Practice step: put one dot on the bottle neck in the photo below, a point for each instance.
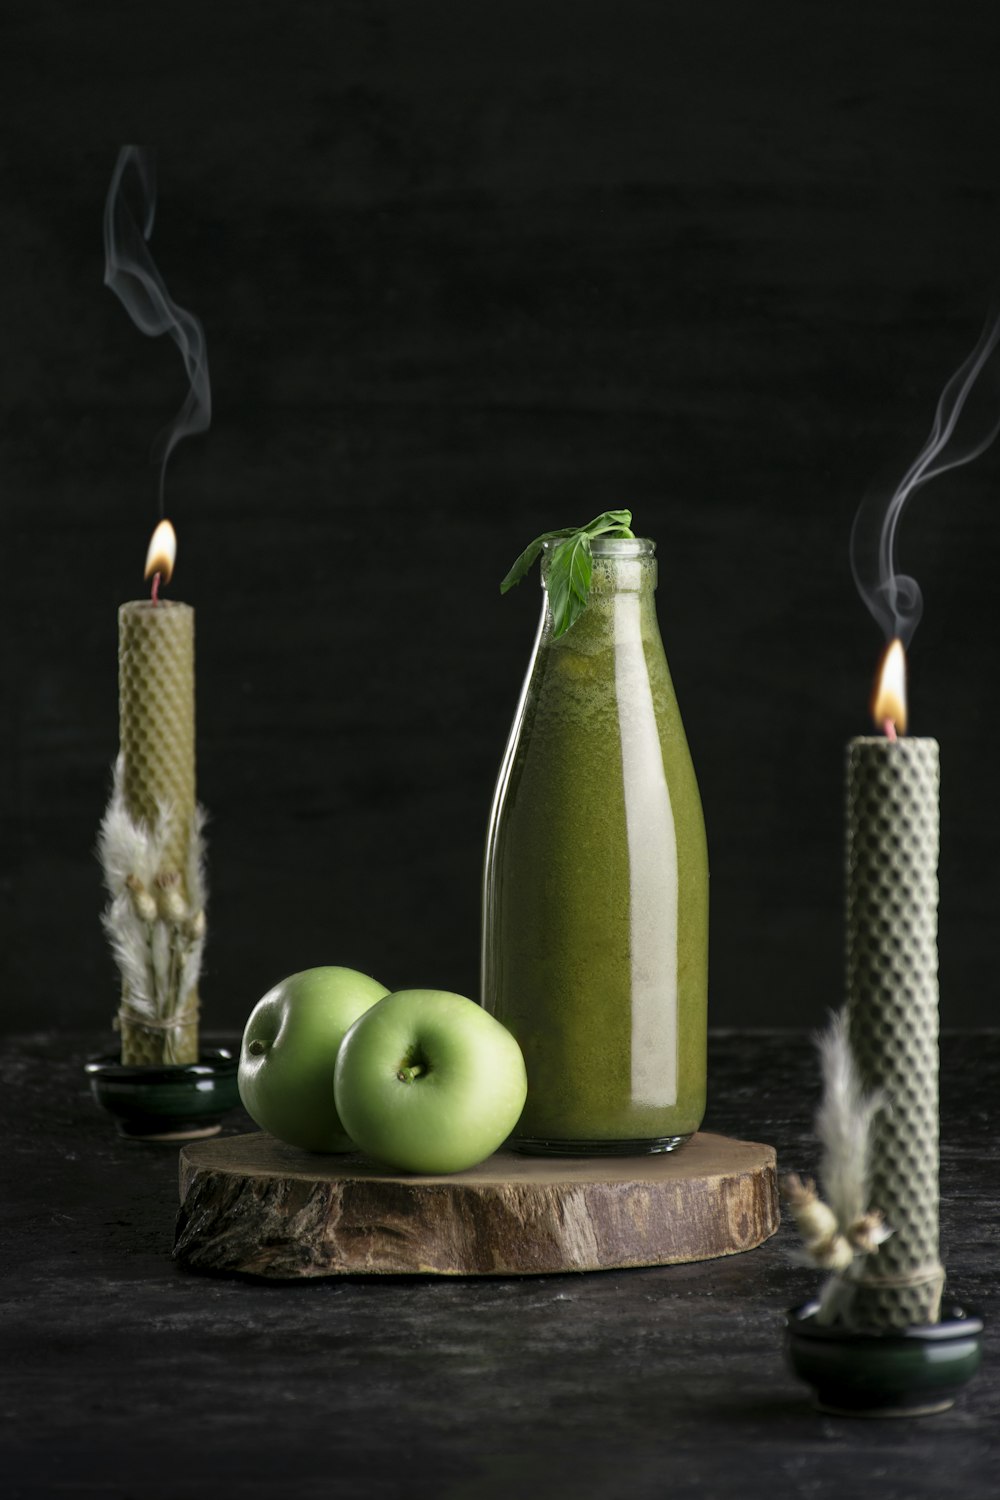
(621, 600)
(621, 565)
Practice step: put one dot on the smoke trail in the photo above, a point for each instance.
(894, 598)
(130, 272)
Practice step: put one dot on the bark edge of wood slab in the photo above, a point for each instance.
(254, 1206)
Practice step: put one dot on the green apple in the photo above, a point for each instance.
(427, 1081)
(289, 1049)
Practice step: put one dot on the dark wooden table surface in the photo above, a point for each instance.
(124, 1376)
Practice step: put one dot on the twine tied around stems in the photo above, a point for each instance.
(158, 1041)
(930, 1274)
(128, 1015)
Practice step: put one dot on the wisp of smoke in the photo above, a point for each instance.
(130, 272)
(894, 598)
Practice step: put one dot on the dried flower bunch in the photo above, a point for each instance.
(839, 1230)
(155, 921)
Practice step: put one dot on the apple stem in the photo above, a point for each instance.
(257, 1047)
(407, 1075)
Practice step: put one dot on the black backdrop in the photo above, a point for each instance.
(468, 271)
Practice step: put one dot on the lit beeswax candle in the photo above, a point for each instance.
(156, 707)
(892, 1000)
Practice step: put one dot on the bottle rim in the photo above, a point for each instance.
(613, 546)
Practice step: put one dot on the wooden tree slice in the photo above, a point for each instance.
(254, 1205)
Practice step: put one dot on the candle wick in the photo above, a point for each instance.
(889, 728)
(155, 594)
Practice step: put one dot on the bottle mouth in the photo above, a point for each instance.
(613, 546)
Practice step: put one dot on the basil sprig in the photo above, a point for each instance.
(571, 566)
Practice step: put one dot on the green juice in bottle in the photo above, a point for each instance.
(595, 907)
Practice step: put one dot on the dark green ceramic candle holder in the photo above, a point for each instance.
(910, 1372)
(176, 1102)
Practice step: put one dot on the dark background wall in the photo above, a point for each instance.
(468, 271)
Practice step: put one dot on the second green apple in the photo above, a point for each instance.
(426, 1081)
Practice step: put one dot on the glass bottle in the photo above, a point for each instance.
(595, 896)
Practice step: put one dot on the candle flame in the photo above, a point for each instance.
(162, 552)
(889, 698)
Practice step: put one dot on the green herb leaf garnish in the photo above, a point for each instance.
(572, 566)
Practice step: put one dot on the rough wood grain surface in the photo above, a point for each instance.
(254, 1205)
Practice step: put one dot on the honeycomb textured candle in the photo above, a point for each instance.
(156, 706)
(892, 985)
